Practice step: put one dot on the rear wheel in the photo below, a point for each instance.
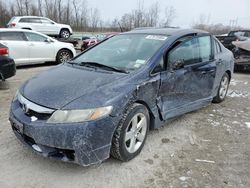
(63, 56)
(131, 133)
(64, 33)
(223, 88)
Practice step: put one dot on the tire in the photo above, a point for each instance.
(223, 88)
(65, 34)
(128, 139)
(63, 56)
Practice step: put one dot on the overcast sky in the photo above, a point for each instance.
(187, 11)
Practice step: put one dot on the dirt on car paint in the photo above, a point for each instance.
(205, 148)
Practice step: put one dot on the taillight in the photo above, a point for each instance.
(4, 51)
(12, 25)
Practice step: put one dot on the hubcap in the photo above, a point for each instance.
(135, 133)
(65, 34)
(64, 56)
(223, 87)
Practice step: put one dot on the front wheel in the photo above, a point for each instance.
(63, 56)
(131, 133)
(64, 34)
(223, 88)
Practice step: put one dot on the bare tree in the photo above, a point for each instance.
(26, 5)
(40, 7)
(153, 15)
(170, 15)
(76, 11)
(94, 18)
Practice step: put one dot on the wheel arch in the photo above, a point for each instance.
(229, 74)
(27, 28)
(152, 115)
(65, 49)
(64, 28)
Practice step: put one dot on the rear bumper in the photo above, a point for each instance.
(7, 68)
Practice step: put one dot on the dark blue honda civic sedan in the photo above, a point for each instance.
(104, 101)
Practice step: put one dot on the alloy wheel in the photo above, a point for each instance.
(223, 87)
(135, 132)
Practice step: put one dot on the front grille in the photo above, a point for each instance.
(32, 109)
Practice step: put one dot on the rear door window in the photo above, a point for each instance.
(205, 48)
(35, 37)
(46, 21)
(16, 36)
(25, 20)
(35, 20)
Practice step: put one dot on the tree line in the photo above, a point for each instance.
(81, 17)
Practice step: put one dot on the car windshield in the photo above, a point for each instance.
(127, 51)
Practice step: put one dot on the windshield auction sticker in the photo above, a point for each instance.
(156, 37)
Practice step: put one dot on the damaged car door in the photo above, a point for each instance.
(188, 80)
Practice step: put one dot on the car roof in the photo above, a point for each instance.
(29, 17)
(165, 31)
(22, 30)
(18, 30)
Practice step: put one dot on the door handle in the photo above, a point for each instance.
(219, 62)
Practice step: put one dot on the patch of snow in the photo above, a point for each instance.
(245, 83)
(183, 178)
(204, 161)
(237, 94)
(235, 122)
(215, 124)
(211, 115)
(248, 125)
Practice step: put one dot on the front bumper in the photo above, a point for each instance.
(83, 143)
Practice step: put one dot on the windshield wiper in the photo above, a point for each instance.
(99, 65)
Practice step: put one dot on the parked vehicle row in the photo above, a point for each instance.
(42, 25)
(239, 43)
(238, 35)
(26, 46)
(91, 41)
(7, 64)
(116, 91)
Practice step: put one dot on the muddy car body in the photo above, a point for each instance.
(120, 102)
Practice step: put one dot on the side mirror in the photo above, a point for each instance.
(48, 40)
(178, 64)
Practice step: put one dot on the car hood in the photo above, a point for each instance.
(59, 86)
(64, 25)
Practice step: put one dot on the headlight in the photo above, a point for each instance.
(75, 116)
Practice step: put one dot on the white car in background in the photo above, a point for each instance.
(40, 24)
(27, 46)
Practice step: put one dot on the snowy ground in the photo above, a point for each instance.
(206, 148)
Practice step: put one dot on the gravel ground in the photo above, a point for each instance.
(205, 148)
